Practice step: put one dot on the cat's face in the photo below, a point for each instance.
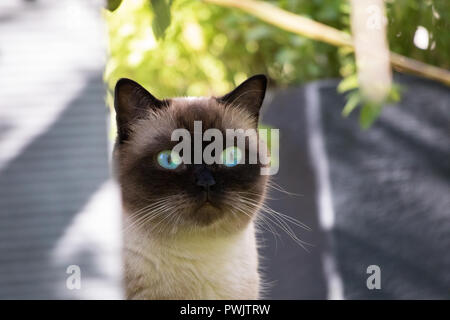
(167, 198)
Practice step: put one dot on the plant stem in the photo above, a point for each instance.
(318, 31)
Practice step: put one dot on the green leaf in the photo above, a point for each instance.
(394, 93)
(352, 102)
(112, 5)
(369, 113)
(348, 83)
(161, 20)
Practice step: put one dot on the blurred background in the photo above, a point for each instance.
(359, 91)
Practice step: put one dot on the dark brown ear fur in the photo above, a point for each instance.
(131, 102)
(248, 95)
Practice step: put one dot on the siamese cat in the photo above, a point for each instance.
(189, 229)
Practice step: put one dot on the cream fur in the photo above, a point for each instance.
(186, 267)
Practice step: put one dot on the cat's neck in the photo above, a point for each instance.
(190, 244)
(192, 267)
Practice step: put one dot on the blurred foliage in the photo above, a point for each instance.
(404, 17)
(187, 47)
(208, 49)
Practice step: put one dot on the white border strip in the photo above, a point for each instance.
(319, 163)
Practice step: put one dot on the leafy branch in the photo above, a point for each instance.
(274, 46)
(320, 32)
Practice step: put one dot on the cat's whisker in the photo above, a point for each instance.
(260, 218)
(158, 198)
(152, 216)
(276, 218)
(287, 218)
(271, 230)
(254, 194)
(154, 210)
(143, 214)
(273, 185)
(137, 212)
(290, 219)
(282, 224)
(167, 209)
(261, 223)
(279, 222)
(158, 201)
(162, 220)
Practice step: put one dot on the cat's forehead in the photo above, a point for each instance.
(181, 113)
(212, 114)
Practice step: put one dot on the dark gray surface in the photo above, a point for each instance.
(57, 203)
(292, 271)
(43, 189)
(391, 192)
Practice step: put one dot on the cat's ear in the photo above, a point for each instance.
(131, 102)
(248, 95)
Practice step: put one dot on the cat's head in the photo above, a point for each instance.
(163, 195)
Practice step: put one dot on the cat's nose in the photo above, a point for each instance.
(203, 177)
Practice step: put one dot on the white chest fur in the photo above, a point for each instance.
(201, 267)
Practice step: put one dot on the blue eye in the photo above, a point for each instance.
(169, 160)
(231, 156)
